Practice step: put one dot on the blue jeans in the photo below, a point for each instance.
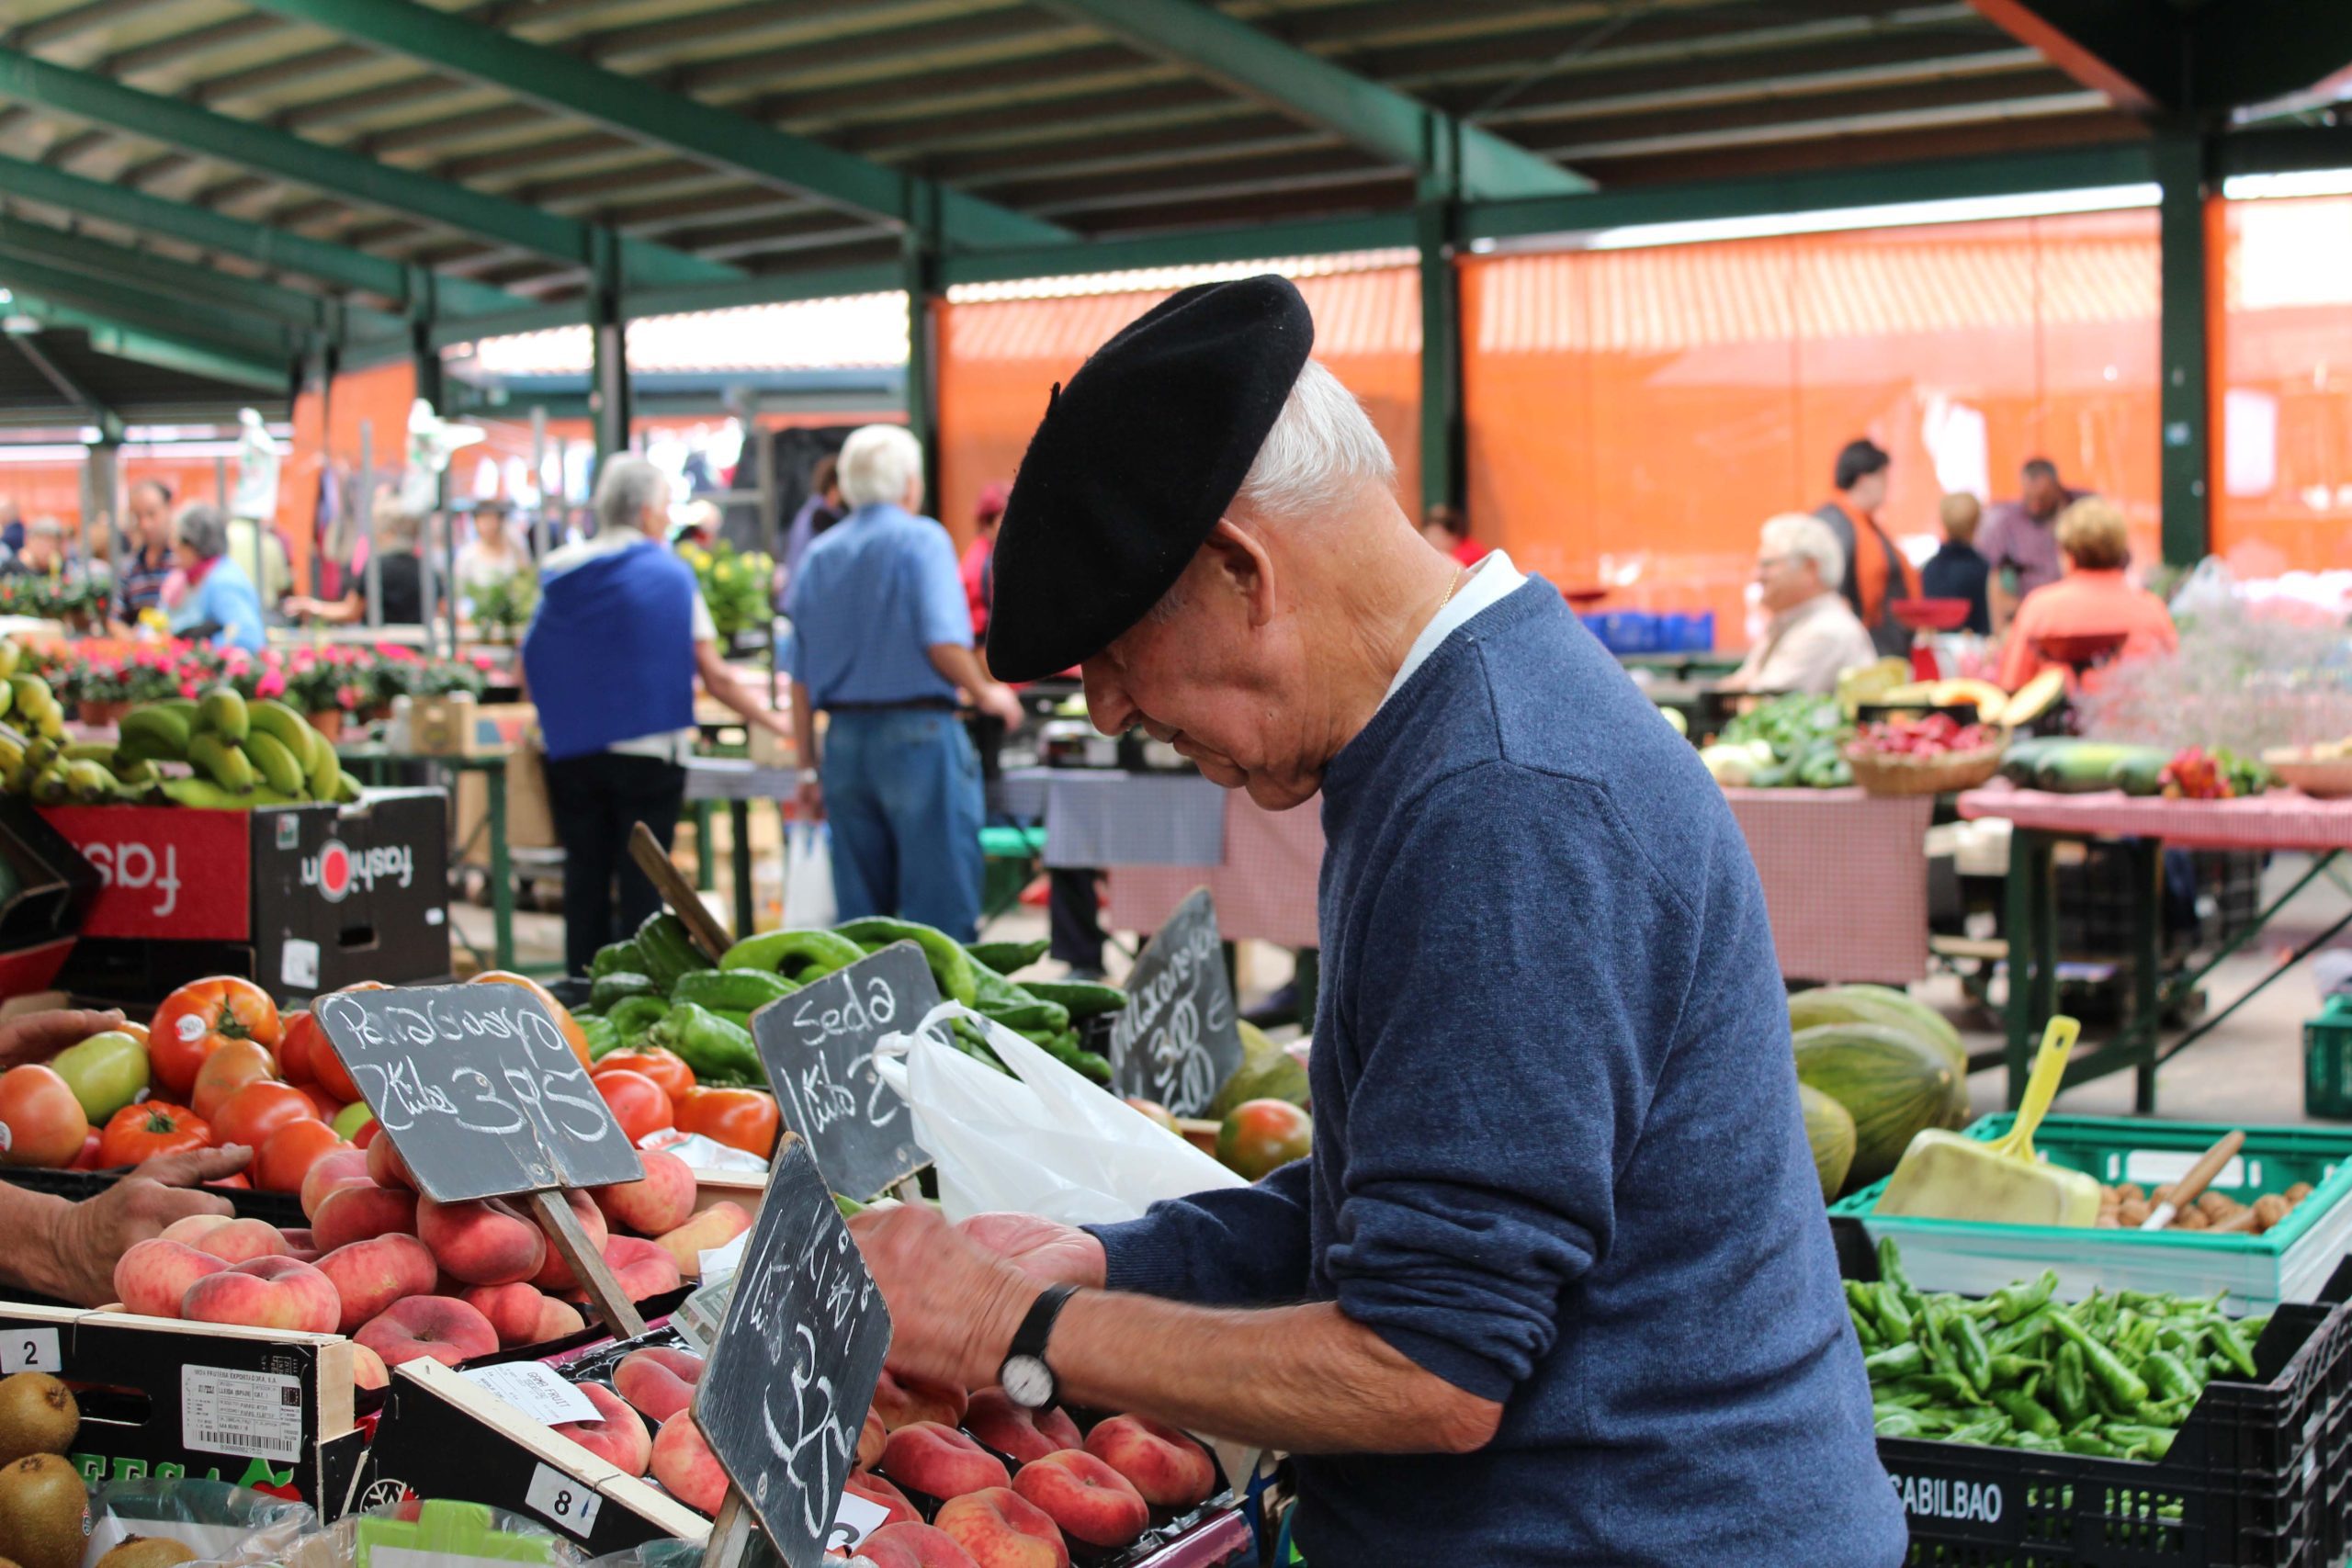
(902, 792)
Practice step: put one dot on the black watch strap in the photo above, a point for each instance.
(1030, 1338)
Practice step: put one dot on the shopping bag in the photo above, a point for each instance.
(808, 877)
(1044, 1141)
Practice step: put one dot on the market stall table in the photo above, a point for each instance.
(738, 781)
(2282, 819)
(1845, 876)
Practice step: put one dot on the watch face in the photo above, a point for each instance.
(1027, 1381)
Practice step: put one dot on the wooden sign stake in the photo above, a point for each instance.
(731, 1534)
(677, 892)
(613, 1307)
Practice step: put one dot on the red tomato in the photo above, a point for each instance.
(254, 1111)
(140, 1132)
(327, 1105)
(326, 1068)
(40, 1122)
(665, 1068)
(290, 1153)
(638, 1102)
(227, 1070)
(201, 1016)
(294, 1048)
(367, 1135)
(741, 1118)
(237, 1179)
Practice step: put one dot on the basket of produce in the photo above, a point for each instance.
(2323, 772)
(2140, 1427)
(1935, 754)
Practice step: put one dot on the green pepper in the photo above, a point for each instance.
(2011, 1303)
(631, 1018)
(950, 965)
(1900, 1362)
(2107, 1372)
(714, 1048)
(2027, 1412)
(1893, 1317)
(800, 956)
(1008, 957)
(1969, 1350)
(1987, 1429)
(602, 1036)
(1944, 1386)
(2139, 1441)
(2067, 1389)
(2087, 1443)
(2037, 1443)
(668, 948)
(2017, 1369)
(1933, 1333)
(1891, 1271)
(615, 955)
(1084, 998)
(617, 985)
(2022, 1333)
(2230, 1341)
(1900, 1399)
(1899, 1422)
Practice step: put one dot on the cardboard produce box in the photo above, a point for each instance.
(530, 820)
(300, 898)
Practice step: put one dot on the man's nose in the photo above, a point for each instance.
(1108, 707)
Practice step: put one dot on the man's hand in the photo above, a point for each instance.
(997, 698)
(1042, 1249)
(38, 1036)
(88, 1237)
(808, 801)
(954, 1307)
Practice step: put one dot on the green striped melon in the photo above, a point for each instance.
(1879, 1004)
(1893, 1083)
(1829, 1128)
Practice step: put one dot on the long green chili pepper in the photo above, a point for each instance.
(1899, 1422)
(2106, 1369)
(2066, 1386)
(2025, 1331)
(1991, 1430)
(2017, 1369)
(2167, 1377)
(1932, 1335)
(1893, 1317)
(2011, 1303)
(1891, 1270)
(2225, 1336)
(2037, 1443)
(2086, 1443)
(1949, 1387)
(1968, 1349)
(2027, 1412)
(1900, 1362)
(2152, 1442)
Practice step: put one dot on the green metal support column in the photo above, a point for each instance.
(922, 286)
(608, 387)
(1437, 218)
(423, 307)
(2185, 354)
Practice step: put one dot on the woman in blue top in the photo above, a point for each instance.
(221, 604)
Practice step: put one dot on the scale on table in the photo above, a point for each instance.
(2080, 652)
(1924, 618)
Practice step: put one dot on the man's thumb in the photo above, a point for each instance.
(191, 1166)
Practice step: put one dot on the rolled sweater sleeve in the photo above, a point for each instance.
(1522, 971)
(1230, 1246)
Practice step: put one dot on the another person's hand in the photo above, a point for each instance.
(997, 698)
(38, 1036)
(953, 1306)
(88, 1237)
(808, 800)
(1042, 1249)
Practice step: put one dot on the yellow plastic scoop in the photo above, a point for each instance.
(1947, 1177)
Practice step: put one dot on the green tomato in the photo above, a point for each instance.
(351, 1118)
(105, 1073)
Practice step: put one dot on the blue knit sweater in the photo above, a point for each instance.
(1559, 1159)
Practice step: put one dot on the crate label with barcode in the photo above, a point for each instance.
(564, 1501)
(30, 1350)
(298, 964)
(254, 1415)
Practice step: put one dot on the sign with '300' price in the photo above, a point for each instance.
(1178, 1039)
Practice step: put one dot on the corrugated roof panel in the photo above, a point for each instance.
(1355, 313)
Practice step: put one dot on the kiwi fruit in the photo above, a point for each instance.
(42, 1499)
(147, 1552)
(38, 1415)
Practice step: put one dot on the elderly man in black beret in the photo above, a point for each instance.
(1555, 1285)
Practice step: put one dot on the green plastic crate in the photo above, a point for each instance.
(2328, 1062)
(2290, 1262)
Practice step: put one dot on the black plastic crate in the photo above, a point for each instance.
(2207, 897)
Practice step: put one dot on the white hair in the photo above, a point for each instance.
(877, 463)
(1801, 534)
(626, 488)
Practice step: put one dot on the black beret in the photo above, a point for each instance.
(1133, 464)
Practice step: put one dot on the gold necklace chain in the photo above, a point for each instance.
(1460, 574)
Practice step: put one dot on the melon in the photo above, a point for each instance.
(1878, 1004)
(1893, 1083)
(1829, 1128)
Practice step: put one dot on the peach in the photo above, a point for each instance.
(904, 1401)
(368, 1369)
(385, 1166)
(1020, 1434)
(1002, 1530)
(871, 1437)
(241, 1241)
(939, 1460)
(1086, 1498)
(616, 1436)
(153, 1275)
(555, 1274)
(515, 1310)
(190, 1228)
(369, 1275)
(334, 1170)
(1170, 1469)
(483, 1242)
(662, 1199)
(558, 1320)
(707, 1232)
(658, 1381)
(265, 1292)
(440, 1327)
(358, 1212)
(641, 1266)
(882, 1495)
(685, 1467)
(913, 1546)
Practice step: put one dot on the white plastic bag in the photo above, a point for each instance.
(1043, 1142)
(808, 877)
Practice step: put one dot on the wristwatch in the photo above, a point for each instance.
(1026, 1378)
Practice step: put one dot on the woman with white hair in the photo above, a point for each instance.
(881, 642)
(1813, 632)
(221, 604)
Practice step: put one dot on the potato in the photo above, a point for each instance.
(2269, 1211)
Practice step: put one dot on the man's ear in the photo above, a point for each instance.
(1242, 562)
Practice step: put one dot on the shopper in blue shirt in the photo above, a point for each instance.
(221, 604)
(1555, 1285)
(881, 643)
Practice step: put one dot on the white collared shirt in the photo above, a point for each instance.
(1489, 582)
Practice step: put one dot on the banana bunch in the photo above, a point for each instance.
(239, 754)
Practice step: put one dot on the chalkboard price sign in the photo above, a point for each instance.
(818, 1047)
(478, 1089)
(794, 1365)
(1176, 1040)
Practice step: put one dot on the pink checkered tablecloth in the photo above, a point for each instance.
(2282, 819)
(1845, 878)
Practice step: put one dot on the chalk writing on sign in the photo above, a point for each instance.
(1176, 1041)
(816, 1044)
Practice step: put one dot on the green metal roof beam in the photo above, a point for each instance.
(109, 423)
(648, 114)
(1379, 119)
(137, 304)
(166, 350)
(2132, 53)
(278, 249)
(1258, 242)
(181, 280)
(346, 176)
